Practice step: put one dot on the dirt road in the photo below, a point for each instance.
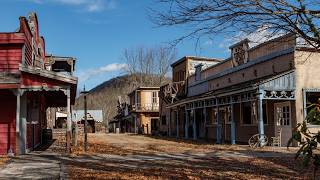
(114, 156)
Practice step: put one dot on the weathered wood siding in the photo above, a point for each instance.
(7, 121)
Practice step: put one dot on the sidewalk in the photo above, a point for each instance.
(35, 165)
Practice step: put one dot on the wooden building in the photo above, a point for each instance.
(28, 87)
(94, 120)
(258, 89)
(141, 114)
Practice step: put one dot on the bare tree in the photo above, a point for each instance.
(212, 17)
(149, 66)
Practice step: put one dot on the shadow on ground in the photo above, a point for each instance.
(109, 162)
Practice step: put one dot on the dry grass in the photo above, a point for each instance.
(3, 160)
(126, 157)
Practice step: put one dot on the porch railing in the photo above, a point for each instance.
(145, 107)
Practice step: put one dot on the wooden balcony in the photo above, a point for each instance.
(153, 107)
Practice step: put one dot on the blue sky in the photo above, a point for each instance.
(97, 31)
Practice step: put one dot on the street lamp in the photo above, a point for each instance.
(84, 92)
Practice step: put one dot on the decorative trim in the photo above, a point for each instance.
(279, 94)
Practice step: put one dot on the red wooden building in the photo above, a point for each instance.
(28, 86)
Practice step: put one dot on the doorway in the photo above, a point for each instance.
(283, 121)
(154, 125)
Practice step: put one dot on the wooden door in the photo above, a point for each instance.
(282, 112)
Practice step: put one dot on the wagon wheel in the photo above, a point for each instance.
(254, 141)
(258, 141)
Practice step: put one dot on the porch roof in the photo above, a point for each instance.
(282, 82)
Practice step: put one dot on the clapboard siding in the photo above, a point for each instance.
(7, 121)
(10, 58)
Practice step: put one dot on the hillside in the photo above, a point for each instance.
(105, 95)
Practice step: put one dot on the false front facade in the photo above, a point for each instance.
(28, 87)
(259, 90)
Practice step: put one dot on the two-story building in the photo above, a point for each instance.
(141, 114)
(144, 108)
(28, 87)
(260, 89)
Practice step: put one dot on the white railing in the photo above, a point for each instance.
(146, 107)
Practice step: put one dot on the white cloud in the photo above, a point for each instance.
(86, 5)
(90, 73)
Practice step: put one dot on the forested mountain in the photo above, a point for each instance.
(105, 95)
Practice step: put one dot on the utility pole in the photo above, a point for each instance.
(84, 92)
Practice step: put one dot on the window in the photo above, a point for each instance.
(138, 102)
(155, 97)
(311, 98)
(198, 72)
(283, 115)
(163, 120)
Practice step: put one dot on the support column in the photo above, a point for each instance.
(177, 121)
(169, 123)
(218, 127)
(260, 113)
(194, 124)
(21, 123)
(18, 133)
(135, 124)
(186, 126)
(68, 121)
(233, 125)
(304, 103)
(205, 121)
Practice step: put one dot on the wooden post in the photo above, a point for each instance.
(135, 124)
(194, 124)
(260, 113)
(17, 123)
(218, 127)
(169, 124)
(205, 121)
(23, 124)
(85, 124)
(68, 122)
(177, 121)
(147, 128)
(233, 125)
(186, 126)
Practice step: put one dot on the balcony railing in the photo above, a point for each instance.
(145, 107)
